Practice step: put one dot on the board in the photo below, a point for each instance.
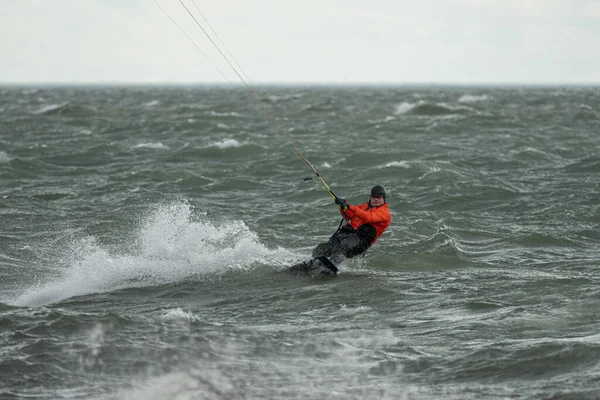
(316, 267)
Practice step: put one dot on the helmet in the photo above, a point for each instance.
(378, 190)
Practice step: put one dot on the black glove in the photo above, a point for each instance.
(342, 203)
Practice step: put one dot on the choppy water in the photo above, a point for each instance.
(145, 233)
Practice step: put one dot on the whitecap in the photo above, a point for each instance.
(51, 107)
(157, 145)
(386, 119)
(401, 164)
(152, 103)
(274, 98)
(432, 170)
(203, 382)
(472, 98)
(227, 144)
(223, 114)
(177, 314)
(404, 107)
(4, 158)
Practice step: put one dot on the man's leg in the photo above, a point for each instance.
(323, 249)
(347, 246)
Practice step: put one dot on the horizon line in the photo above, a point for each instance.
(291, 83)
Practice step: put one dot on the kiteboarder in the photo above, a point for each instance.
(364, 224)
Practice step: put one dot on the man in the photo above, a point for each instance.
(365, 223)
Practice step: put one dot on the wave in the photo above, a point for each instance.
(323, 106)
(440, 109)
(388, 118)
(275, 99)
(178, 314)
(404, 107)
(52, 109)
(67, 109)
(223, 114)
(424, 108)
(171, 246)
(400, 164)
(585, 114)
(526, 358)
(4, 157)
(472, 98)
(226, 144)
(152, 103)
(157, 145)
(589, 164)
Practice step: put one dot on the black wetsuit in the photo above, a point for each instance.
(346, 242)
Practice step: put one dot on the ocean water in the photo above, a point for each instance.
(145, 235)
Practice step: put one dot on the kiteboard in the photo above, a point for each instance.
(315, 267)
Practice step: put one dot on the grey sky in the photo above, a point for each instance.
(303, 41)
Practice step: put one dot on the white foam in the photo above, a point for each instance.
(50, 107)
(177, 314)
(451, 107)
(472, 98)
(4, 158)
(206, 382)
(432, 170)
(404, 107)
(171, 246)
(90, 354)
(223, 114)
(227, 144)
(363, 353)
(151, 104)
(274, 98)
(386, 119)
(401, 164)
(156, 145)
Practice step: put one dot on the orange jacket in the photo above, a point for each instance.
(378, 217)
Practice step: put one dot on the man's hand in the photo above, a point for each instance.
(342, 203)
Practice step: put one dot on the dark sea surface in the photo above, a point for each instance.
(145, 235)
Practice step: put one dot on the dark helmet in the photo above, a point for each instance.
(378, 190)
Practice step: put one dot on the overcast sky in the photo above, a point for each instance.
(302, 41)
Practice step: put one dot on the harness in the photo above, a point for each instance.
(350, 229)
